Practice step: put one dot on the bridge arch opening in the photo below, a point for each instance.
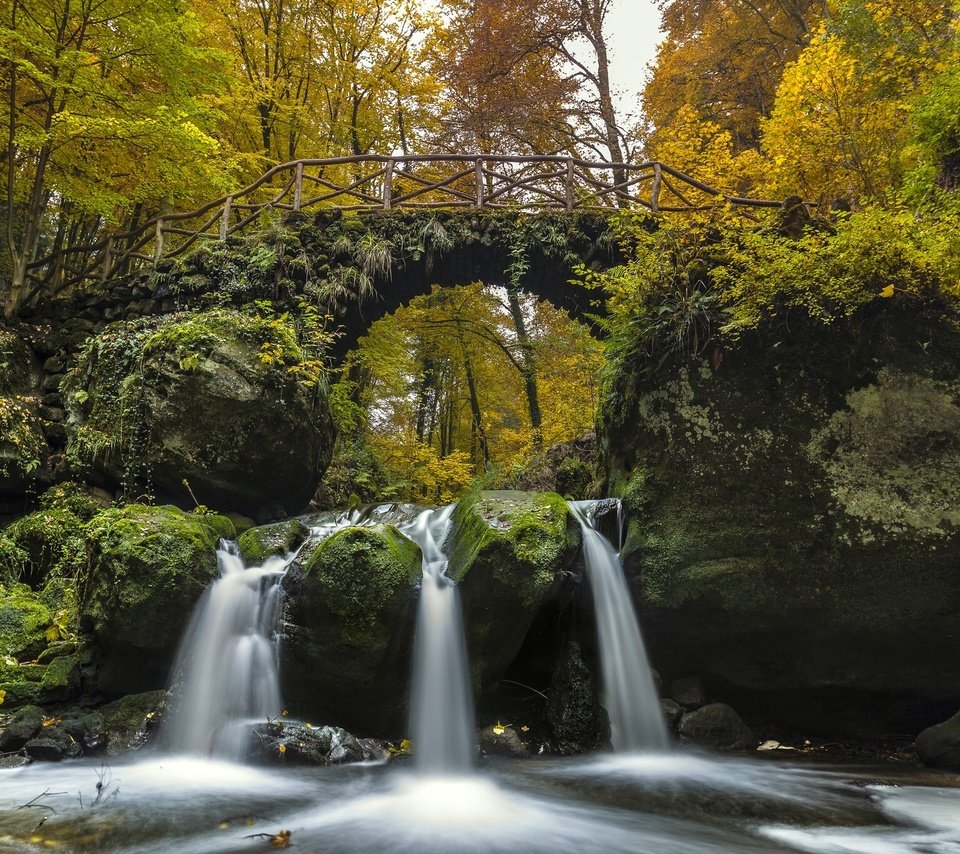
(465, 381)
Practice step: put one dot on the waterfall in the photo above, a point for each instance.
(441, 718)
(227, 662)
(629, 695)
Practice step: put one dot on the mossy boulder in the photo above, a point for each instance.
(24, 621)
(794, 509)
(148, 567)
(349, 625)
(41, 545)
(19, 372)
(223, 406)
(130, 721)
(511, 555)
(276, 540)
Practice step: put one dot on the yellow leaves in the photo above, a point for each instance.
(500, 729)
(888, 291)
(281, 839)
(2, 695)
(282, 749)
(48, 722)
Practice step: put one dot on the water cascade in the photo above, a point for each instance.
(629, 695)
(442, 708)
(228, 660)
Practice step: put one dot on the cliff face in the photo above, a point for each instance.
(794, 531)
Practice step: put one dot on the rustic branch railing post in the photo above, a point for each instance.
(298, 187)
(655, 192)
(478, 172)
(388, 185)
(569, 184)
(107, 259)
(158, 240)
(225, 219)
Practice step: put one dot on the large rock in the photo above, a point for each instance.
(349, 626)
(148, 568)
(577, 721)
(276, 540)
(283, 742)
(794, 528)
(223, 407)
(510, 554)
(939, 745)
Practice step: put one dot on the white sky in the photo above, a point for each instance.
(633, 30)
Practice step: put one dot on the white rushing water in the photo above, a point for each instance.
(227, 662)
(441, 718)
(629, 695)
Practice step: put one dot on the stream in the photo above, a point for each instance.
(666, 803)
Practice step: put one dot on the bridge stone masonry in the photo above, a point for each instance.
(388, 226)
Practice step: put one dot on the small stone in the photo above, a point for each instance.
(716, 726)
(21, 727)
(55, 365)
(502, 741)
(51, 382)
(44, 748)
(53, 399)
(51, 413)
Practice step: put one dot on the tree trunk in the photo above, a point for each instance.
(528, 368)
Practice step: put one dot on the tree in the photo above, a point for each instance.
(105, 113)
(723, 59)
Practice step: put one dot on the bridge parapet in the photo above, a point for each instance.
(373, 182)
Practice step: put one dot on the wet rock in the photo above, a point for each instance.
(130, 721)
(24, 620)
(577, 721)
(224, 400)
(13, 761)
(511, 555)
(716, 726)
(46, 749)
(672, 712)
(20, 727)
(688, 692)
(502, 741)
(348, 629)
(148, 568)
(277, 540)
(61, 680)
(794, 518)
(939, 746)
(299, 743)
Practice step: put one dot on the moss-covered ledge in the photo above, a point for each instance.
(511, 554)
(348, 628)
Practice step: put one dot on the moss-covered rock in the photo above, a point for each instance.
(510, 554)
(19, 371)
(224, 407)
(349, 624)
(794, 528)
(41, 545)
(24, 621)
(130, 721)
(266, 541)
(148, 567)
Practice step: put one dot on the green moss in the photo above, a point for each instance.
(22, 444)
(148, 567)
(522, 538)
(61, 679)
(42, 545)
(74, 497)
(359, 572)
(24, 620)
(278, 540)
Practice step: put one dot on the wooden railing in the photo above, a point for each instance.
(376, 182)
